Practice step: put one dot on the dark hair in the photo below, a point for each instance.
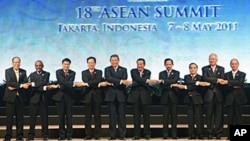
(16, 57)
(91, 57)
(66, 60)
(141, 59)
(114, 55)
(193, 64)
(40, 61)
(168, 59)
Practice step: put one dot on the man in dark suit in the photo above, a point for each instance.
(193, 85)
(214, 74)
(92, 98)
(141, 98)
(116, 97)
(169, 98)
(235, 94)
(64, 99)
(16, 83)
(39, 100)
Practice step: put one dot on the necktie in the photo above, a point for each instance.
(192, 76)
(168, 73)
(65, 74)
(91, 73)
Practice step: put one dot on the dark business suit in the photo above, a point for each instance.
(39, 102)
(214, 99)
(194, 100)
(64, 101)
(141, 100)
(235, 96)
(116, 99)
(14, 101)
(92, 99)
(169, 100)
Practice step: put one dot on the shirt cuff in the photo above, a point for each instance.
(120, 82)
(44, 88)
(197, 83)
(21, 85)
(185, 87)
(33, 84)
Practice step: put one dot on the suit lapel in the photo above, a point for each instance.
(14, 74)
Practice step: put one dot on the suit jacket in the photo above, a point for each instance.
(167, 91)
(92, 91)
(40, 81)
(214, 88)
(140, 87)
(193, 89)
(11, 80)
(66, 84)
(117, 91)
(237, 94)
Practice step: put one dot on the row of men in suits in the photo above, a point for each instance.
(213, 78)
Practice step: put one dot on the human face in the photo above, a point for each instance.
(38, 66)
(234, 65)
(168, 65)
(91, 64)
(114, 61)
(16, 63)
(193, 69)
(140, 65)
(65, 65)
(213, 60)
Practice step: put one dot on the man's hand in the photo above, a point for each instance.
(26, 85)
(152, 81)
(204, 84)
(81, 84)
(104, 84)
(222, 81)
(11, 88)
(178, 86)
(49, 87)
(126, 82)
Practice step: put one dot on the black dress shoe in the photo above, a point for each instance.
(165, 137)
(175, 137)
(147, 137)
(6, 139)
(210, 137)
(88, 138)
(19, 139)
(97, 138)
(201, 137)
(112, 138)
(30, 138)
(218, 137)
(135, 138)
(192, 137)
(45, 138)
(61, 138)
(69, 138)
(122, 138)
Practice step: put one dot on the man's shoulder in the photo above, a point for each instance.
(205, 67)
